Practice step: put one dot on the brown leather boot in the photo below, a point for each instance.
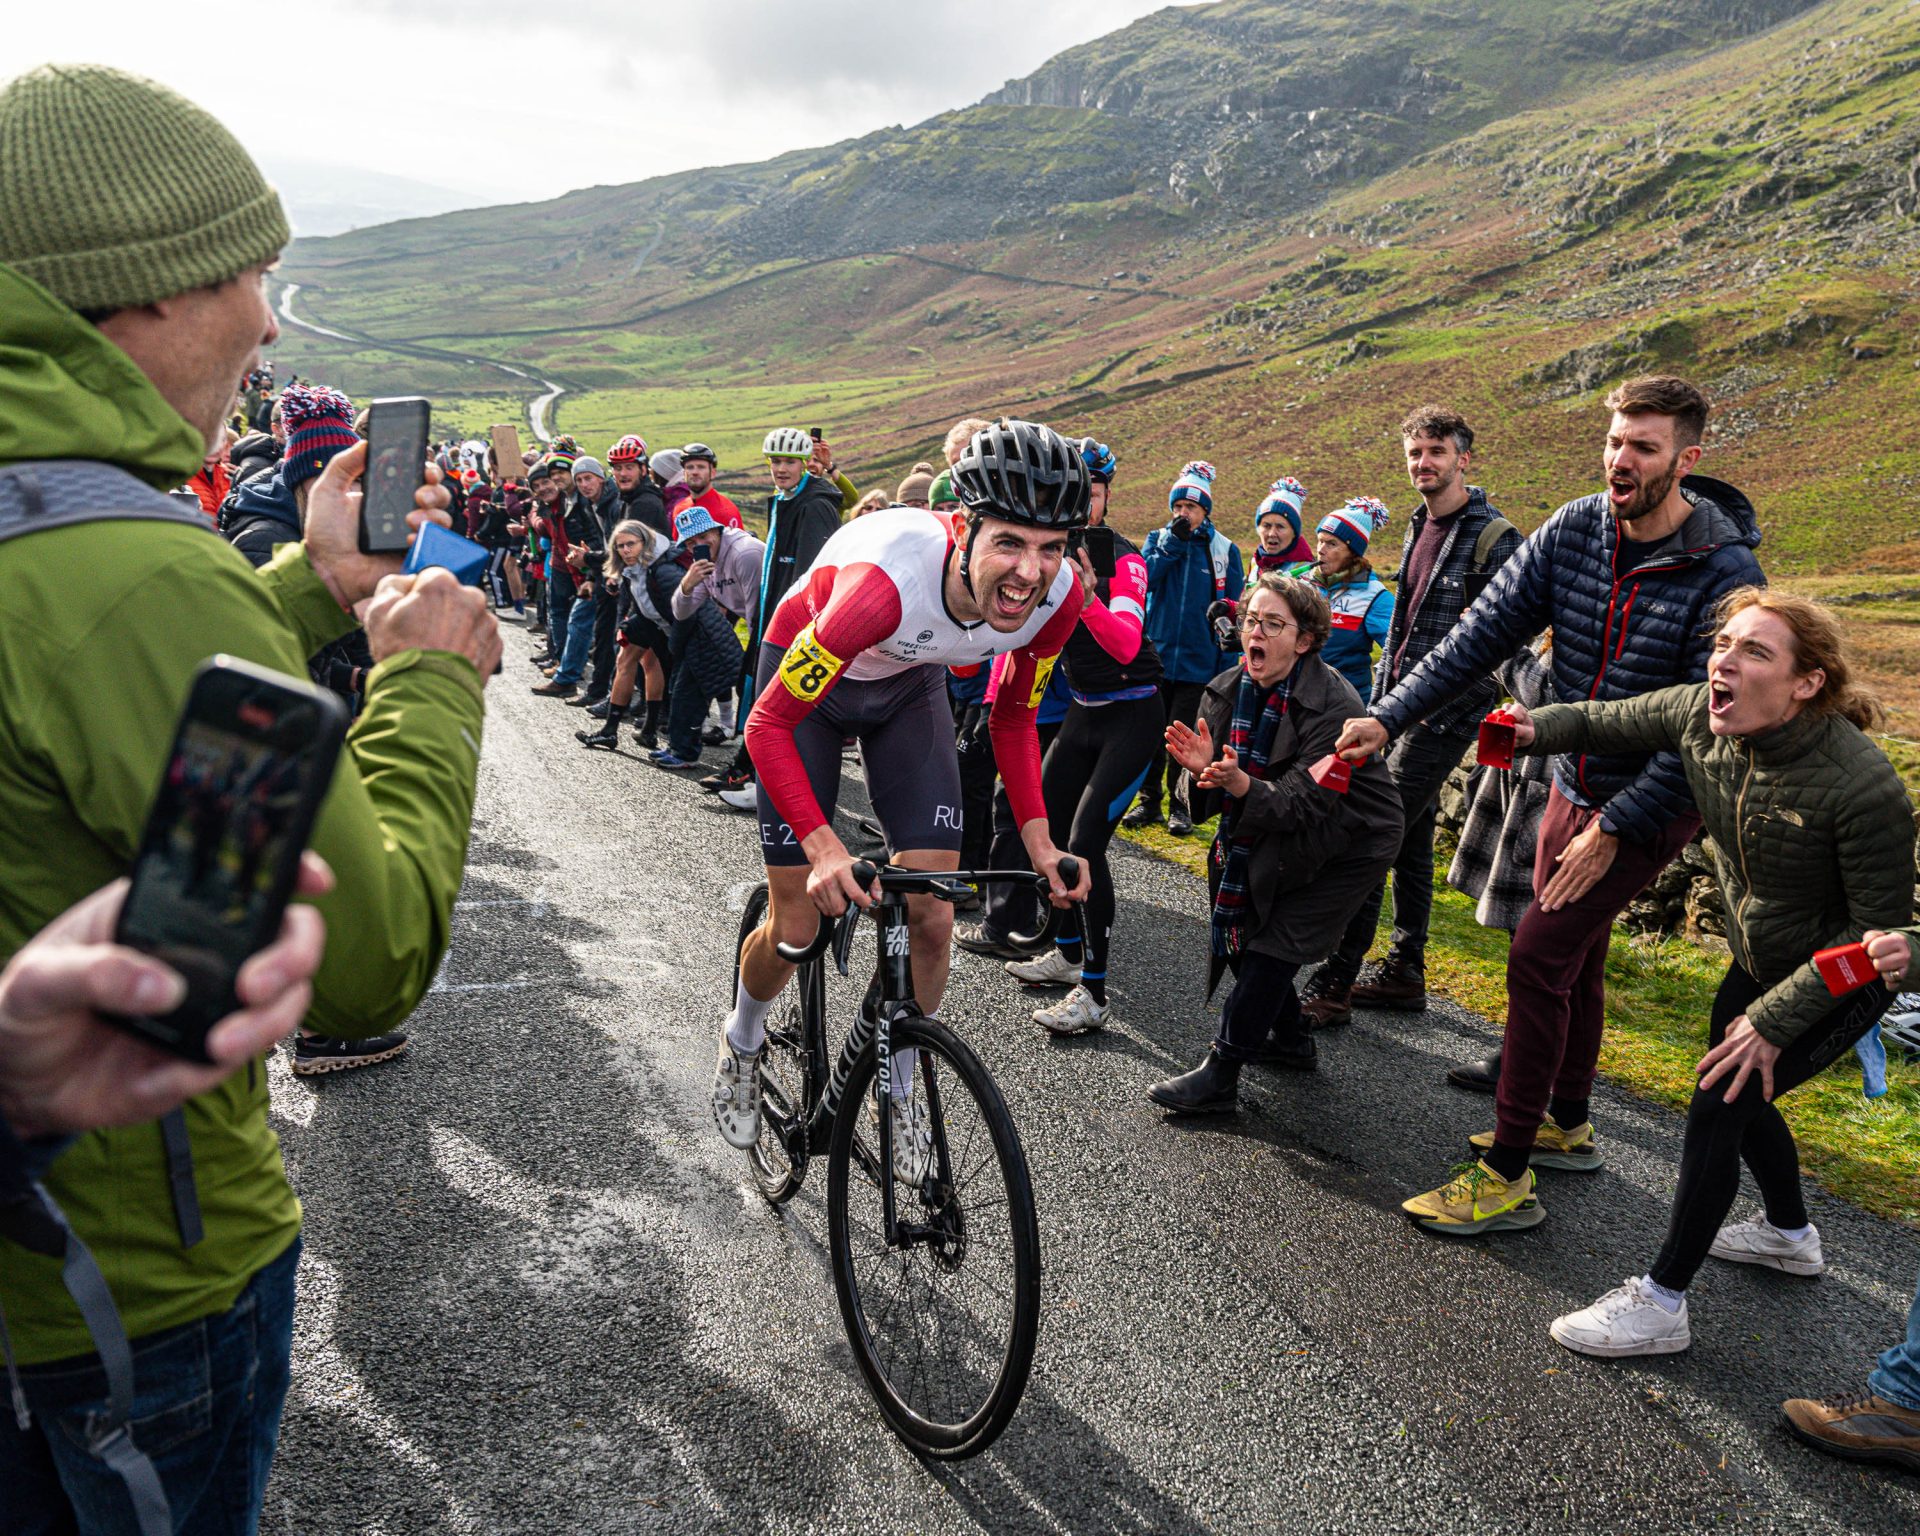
(1394, 986)
(1858, 1426)
(1326, 1003)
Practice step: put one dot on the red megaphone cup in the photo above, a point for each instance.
(1845, 968)
(1333, 773)
(1497, 738)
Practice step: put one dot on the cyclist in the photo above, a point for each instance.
(859, 648)
(1112, 732)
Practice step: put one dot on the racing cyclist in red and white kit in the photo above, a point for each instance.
(859, 648)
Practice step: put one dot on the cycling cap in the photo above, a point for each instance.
(1285, 497)
(699, 451)
(1023, 472)
(1100, 460)
(787, 443)
(629, 450)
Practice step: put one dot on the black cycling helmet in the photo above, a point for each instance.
(1100, 460)
(699, 451)
(1024, 473)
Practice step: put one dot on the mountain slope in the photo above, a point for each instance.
(1557, 194)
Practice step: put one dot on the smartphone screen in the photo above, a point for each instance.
(243, 781)
(396, 460)
(1101, 551)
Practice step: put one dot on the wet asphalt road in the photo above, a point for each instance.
(540, 1294)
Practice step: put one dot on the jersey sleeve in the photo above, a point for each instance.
(1117, 624)
(1016, 742)
(861, 607)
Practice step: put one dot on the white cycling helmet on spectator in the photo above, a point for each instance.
(787, 443)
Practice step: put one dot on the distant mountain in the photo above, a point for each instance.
(332, 200)
(1253, 231)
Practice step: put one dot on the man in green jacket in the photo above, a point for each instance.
(135, 237)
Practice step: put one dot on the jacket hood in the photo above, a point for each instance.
(265, 497)
(66, 392)
(1722, 515)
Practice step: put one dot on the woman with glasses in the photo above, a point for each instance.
(1299, 846)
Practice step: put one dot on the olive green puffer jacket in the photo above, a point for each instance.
(1812, 832)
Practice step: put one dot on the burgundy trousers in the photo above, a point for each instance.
(1556, 971)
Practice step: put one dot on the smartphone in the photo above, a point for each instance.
(249, 766)
(396, 461)
(1101, 551)
(815, 433)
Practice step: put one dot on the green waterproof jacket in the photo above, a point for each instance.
(1812, 832)
(104, 624)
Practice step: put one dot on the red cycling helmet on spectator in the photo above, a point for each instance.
(628, 450)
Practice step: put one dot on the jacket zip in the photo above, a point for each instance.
(1608, 653)
(1739, 928)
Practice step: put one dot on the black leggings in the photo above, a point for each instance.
(1091, 774)
(1719, 1135)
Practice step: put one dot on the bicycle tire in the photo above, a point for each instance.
(864, 1268)
(788, 1090)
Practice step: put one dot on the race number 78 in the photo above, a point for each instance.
(808, 667)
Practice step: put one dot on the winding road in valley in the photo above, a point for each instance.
(539, 408)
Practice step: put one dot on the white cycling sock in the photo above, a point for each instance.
(1665, 1297)
(904, 1061)
(726, 716)
(1794, 1234)
(747, 1028)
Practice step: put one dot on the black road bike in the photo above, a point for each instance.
(936, 1254)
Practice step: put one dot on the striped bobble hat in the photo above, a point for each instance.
(1286, 496)
(1194, 484)
(1355, 523)
(319, 425)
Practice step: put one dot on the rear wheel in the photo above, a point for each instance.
(787, 1088)
(943, 1323)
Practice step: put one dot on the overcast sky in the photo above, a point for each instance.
(523, 99)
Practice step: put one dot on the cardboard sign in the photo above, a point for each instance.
(506, 452)
(1846, 968)
(1496, 744)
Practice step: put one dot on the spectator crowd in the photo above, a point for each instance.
(1303, 703)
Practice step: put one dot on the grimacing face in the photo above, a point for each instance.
(1013, 567)
(626, 475)
(1754, 681)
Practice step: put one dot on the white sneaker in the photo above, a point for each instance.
(1626, 1321)
(912, 1139)
(1074, 1014)
(1759, 1241)
(736, 1097)
(1052, 969)
(745, 798)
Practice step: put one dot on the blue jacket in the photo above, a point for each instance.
(1616, 634)
(258, 514)
(1362, 617)
(1184, 577)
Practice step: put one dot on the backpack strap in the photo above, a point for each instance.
(1496, 529)
(63, 493)
(186, 1199)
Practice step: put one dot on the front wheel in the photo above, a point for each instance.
(944, 1322)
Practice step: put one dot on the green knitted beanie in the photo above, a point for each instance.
(115, 192)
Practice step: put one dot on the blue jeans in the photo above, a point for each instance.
(1898, 1377)
(206, 1408)
(559, 605)
(686, 713)
(579, 646)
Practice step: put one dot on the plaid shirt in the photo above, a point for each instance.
(1452, 587)
(1493, 861)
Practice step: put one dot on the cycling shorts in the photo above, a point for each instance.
(904, 727)
(642, 631)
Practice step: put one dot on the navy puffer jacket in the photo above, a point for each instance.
(1616, 634)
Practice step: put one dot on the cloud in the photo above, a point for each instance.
(523, 102)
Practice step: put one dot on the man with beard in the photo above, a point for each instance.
(1627, 579)
(698, 463)
(639, 495)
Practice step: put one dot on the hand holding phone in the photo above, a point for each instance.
(333, 526)
(396, 469)
(1101, 550)
(244, 778)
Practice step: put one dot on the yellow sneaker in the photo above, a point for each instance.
(1475, 1200)
(1578, 1149)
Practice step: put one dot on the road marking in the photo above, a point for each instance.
(486, 986)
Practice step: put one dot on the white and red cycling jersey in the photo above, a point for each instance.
(872, 606)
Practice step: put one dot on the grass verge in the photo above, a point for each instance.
(1659, 993)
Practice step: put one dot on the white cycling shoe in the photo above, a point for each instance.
(1052, 969)
(745, 798)
(736, 1097)
(1075, 1014)
(912, 1139)
(1759, 1241)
